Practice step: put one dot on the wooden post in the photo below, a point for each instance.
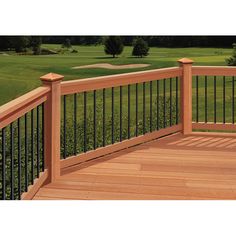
(52, 120)
(186, 94)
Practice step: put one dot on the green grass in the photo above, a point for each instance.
(20, 74)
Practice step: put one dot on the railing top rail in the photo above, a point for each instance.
(76, 86)
(16, 108)
(214, 70)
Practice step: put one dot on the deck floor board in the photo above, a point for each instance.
(196, 166)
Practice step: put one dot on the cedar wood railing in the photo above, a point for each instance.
(34, 128)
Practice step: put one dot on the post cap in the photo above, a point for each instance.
(185, 61)
(51, 77)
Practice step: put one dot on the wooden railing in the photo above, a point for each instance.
(215, 109)
(22, 148)
(77, 121)
(119, 127)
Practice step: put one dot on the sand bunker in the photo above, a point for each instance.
(112, 67)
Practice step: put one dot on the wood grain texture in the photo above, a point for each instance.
(186, 94)
(109, 81)
(214, 70)
(214, 126)
(20, 106)
(52, 121)
(33, 189)
(194, 166)
(71, 161)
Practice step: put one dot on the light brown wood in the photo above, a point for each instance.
(33, 189)
(20, 106)
(186, 94)
(118, 146)
(219, 134)
(214, 70)
(194, 166)
(101, 82)
(214, 126)
(52, 121)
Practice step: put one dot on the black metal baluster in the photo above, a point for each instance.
(104, 118)
(112, 115)
(12, 161)
(3, 163)
(224, 99)
(196, 98)
(94, 121)
(32, 147)
(233, 99)
(19, 158)
(214, 99)
(170, 101)
(136, 109)
(129, 111)
(75, 124)
(43, 137)
(177, 100)
(26, 153)
(150, 106)
(144, 109)
(205, 99)
(120, 113)
(38, 147)
(85, 121)
(64, 126)
(158, 105)
(164, 98)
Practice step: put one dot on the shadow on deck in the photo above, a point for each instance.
(196, 166)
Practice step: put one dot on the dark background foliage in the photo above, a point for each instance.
(7, 42)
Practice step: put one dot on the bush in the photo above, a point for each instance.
(46, 51)
(27, 51)
(113, 46)
(74, 51)
(156, 118)
(140, 48)
(232, 60)
(20, 43)
(66, 44)
(36, 45)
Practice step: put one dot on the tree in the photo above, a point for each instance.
(5, 42)
(66, 44)
(232, 60)
(140, 48)
(36, 44)
(20, 43)
(113, 45)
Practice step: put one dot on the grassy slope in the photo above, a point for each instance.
(20, 74)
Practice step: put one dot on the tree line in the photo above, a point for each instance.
(113, 45)
(7, 42)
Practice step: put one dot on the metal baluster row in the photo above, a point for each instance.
(222, 87)
(21, 154)
(132, 112)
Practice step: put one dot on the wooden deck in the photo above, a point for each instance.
(196, 166)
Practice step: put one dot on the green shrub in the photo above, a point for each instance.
(140, 48)
(108, 127)
(113, 45)
(66, 44)
(74, 51)
(46, 51)
(231, 61)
